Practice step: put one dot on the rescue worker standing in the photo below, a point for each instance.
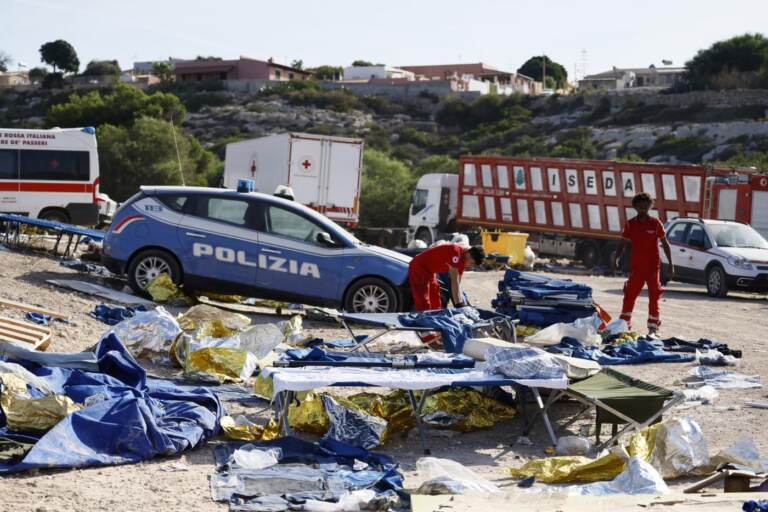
(423, 270)
(643, 233)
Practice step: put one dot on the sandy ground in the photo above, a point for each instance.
(739, 320)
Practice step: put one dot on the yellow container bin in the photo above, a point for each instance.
(506, 244)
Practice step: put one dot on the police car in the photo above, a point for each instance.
(251, 244)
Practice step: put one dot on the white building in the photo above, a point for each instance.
(376, 72)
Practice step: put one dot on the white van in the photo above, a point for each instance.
(52, 175)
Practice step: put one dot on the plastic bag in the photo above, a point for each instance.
(705, 394)
(681, 448)
(741, 453)
(583, 329)
(149, 334)
(439, 475)
(293, 332)
(616, 326)
(573, 445)
(712, 357)
(252, 457)
(529, 258)
(639, 477)
(352, 425)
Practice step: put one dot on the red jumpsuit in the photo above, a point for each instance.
(645, 268)
(422, 274)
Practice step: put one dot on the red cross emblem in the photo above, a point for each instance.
(306, 164)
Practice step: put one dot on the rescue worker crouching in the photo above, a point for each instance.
(424, 267)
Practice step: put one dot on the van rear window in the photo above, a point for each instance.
(54, 165)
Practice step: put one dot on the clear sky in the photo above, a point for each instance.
(624, 33)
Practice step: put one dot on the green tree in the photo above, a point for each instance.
(61, 55)
(163, 70)
(37, 75)
(362, 63)
(436, 164)
(102, 68)
(145, 154)
(533, 68)
(5, 61)
(121, 107)
(386, 190)
(297, 63)
(328, 72)
(741, 61)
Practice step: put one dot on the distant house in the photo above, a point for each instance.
(147, 67)
(14, 78)
(500, 82)
(243, 68)
(631, 78)
(376, 73)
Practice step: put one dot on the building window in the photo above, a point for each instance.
(290, 76)
(277, 74)
(223, 75)
(199, 76)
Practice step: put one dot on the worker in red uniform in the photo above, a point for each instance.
(643, 233)
(423, 270)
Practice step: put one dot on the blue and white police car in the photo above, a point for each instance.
(251, 244)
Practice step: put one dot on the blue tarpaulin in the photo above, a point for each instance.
(535, 286)
(113, 315)
(317, 356)
(129, 417)
(630, 352)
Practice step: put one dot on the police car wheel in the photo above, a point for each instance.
(371, 295)
(149, 264)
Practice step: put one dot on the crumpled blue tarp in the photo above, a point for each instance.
(454, 332)
(128, 417)
(38, 318)
(630, 352)
(338, 461)
(377, 359)
(113, 315)
(535, 286)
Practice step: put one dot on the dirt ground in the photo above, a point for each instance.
(739, 320)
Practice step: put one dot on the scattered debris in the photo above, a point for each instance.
(100, 291)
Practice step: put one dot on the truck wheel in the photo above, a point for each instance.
(716, 285)
(371, 295)
(55, 215)
(149, 264)
(589, 254)
(425, 236)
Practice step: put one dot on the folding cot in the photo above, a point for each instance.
(288, 381)
(618, 399)
(491, 324)
(74, 233)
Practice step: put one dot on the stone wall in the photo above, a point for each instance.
(713, 99)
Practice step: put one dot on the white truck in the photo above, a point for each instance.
(324, 172)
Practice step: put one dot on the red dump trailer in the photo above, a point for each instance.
(577, 208)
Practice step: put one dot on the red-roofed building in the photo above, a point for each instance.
(243, 68)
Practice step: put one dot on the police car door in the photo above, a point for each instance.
(220, 246)
(292, 261)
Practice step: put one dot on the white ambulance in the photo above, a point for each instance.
(52, 175)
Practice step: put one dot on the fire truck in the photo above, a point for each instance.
(577, 208)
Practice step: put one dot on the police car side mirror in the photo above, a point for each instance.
(325, 239)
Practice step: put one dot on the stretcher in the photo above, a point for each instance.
(618, 399)
(74, 234)
(287, 382)
(491, 324)
(301, 358)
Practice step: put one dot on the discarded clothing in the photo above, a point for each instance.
(299, 357)
(89, 268)
(113, 315)
(127, 417)
(631, 352)
(38, 318)
(523, 363)
(536, 286)
(703, 344)
(724, 379)
(455, 325)
(323, 471)
(351, 426)
(755, 506)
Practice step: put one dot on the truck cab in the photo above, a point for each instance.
(433, 207)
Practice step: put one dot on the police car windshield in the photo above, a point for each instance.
(737, 235)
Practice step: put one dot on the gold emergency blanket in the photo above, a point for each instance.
(463, 410)
(247, 431)
(220, 364)
(162, 289)
(196, 316)
(22, 412)
(572, 469)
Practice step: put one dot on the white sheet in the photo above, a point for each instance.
(306, 379)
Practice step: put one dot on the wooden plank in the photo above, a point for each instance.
(14, 331)
(33, 309)
(22, 327)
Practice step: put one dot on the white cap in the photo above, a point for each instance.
(284, 191)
